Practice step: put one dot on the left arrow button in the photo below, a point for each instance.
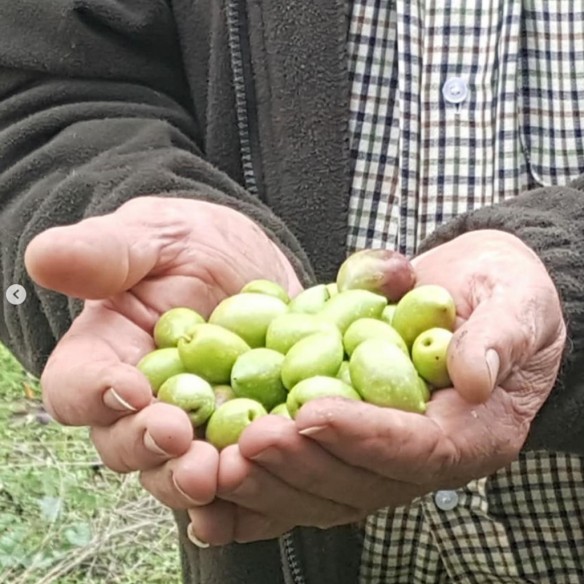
(15, 294)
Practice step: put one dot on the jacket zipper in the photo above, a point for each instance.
(287, 547)
(244, 94)
(250, 159)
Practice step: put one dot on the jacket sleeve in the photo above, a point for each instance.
(94, 111)
(551, 222)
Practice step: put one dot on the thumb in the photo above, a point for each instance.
(486, 348)
(97, 257)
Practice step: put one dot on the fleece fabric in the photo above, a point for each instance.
(102, 101)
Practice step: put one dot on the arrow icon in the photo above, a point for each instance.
(15, 294)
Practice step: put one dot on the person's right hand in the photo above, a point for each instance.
(130, 266)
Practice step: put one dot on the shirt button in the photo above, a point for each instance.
(446, 500)
(455, 90)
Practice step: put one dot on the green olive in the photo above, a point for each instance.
(248, 315)
(192, 394)
(370, 328)
(346, 307)
(287, 329)
(311, 300)
(344, 373)
(175, 324)
(256, 374)
(229, 420)
(211, 351)
(317, 354)
(159, 365)
(386, 377)
(281, 410)
(223, 393)
(266, 287)
(315, 388)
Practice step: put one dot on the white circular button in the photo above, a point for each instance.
(455, 90)
(15, 294)
(446, 500)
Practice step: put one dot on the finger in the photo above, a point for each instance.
(401, 446)
(303, 464)
(90, 378)
(250, 486)
(144, 440)
(187, 481)
(221, 523)
(102, 256)
(501, 335)
(251, 526)
(453, 443)
(213, 524)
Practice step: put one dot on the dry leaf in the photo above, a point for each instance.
(29, 392)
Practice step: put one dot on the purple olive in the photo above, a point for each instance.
(383, 271)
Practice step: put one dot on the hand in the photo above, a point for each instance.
(130, 266)
(340, 460)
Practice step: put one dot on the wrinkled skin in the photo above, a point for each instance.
(351, 458)
(339, 460)
(130, 267)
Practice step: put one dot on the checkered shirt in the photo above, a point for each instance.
(455, 105)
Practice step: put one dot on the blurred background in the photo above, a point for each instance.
(64, 518)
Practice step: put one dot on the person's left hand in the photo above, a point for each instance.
(341, 460)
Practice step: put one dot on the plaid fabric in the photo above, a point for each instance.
(419, 160)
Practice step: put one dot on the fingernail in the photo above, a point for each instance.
(194, 539)
(312, 430)
(493, 363)
(112, 400)
(187, 497)
(152, 446)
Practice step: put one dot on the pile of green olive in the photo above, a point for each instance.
(372, 335)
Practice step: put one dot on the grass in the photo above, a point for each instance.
(64, 518)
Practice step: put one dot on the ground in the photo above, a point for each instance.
(64, 518)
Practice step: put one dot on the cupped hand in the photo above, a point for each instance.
(341, 460)
(130, 266)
